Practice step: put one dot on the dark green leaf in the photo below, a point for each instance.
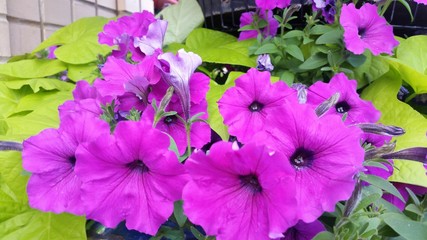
(356, 60)
(295, 51)
(324, 236)
(320, 29)
(330, 37)
(267, 48)
(405, 227)
(313, 62)
(293, 33)
(178, 212)
(383, 184)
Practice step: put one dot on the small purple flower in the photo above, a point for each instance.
(315, 148)
(246, 106)
(264, 63)
(51, 52)
(357, 110)
(365, 29)
(176, 71)
(304, 231)
(50, 157)
(130, 176)
(328, 9)
(240, 193)
(272, 4)
(248, 18)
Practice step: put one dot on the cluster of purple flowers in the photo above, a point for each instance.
(363, 28)
(109, 159)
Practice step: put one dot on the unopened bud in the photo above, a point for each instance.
(326, 105)
(381, 129)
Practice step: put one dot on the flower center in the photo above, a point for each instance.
(251, 182)
(361, 32)
(342, 107)
(72, 160)
(256, 106)
(137, 165)
(169, 119)
(302, 158)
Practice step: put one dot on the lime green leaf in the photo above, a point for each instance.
(43, 113)
(405, 227)
(78, 41)
(394, 112)
(218, 47)
(9, 98)
(32, 68)
(182, 19)
(174, 47)
(88, 72)
(19, 221)
(37, 84)
(215, 92)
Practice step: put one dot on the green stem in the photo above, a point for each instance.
(188, 133)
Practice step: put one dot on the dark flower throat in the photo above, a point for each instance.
(251, 182)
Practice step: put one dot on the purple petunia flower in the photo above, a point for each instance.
(272, 4)
(246, 106)
(328, 9)
(365, 29)
(421, 2)
(130, 83)
(324, 153)
(51, 52)
(247, 18)
(240, 194)
(50, 156)
(177, 71)
(125, 30)
(304, 231)
(130, 176)
(358, 110)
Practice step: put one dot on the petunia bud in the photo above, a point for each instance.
(418, 154)
(301, 92)
(10, 146)
(264, 63)
(381, 129)
(326, 105)
(379, 152)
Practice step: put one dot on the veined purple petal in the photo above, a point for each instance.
(153, 40)
(177, 70)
